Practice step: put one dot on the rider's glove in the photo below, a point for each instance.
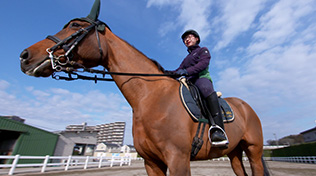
(182, 72)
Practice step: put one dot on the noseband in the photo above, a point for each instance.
(69, 43)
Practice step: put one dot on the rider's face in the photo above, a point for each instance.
(190, 40)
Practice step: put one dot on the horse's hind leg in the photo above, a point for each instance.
(254, 153)
(235, 157)
(155, 168)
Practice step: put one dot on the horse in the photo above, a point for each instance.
(162, 129)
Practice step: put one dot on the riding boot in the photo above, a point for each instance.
(217, 136)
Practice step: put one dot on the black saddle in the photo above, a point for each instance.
(196, 106)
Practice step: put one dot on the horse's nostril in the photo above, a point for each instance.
(24, 55)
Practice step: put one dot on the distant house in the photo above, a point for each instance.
(105, 149)
(128, 149)
(108, 150)
(76, 143)
(309, 135)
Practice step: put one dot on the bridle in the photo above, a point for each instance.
(72, 67)
(69, 43)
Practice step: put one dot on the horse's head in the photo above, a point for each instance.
(77, 45)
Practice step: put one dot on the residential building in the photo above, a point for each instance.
(108, 150)
(83, 139)
(309, 135)
(112, 133)
(81, 142)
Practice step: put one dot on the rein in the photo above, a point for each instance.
(73, 75)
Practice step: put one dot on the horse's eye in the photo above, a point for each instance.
(74, 25)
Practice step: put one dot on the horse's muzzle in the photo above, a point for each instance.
(30, 67)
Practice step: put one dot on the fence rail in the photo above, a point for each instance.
(65, 161)
(69, 162)
(296, 159)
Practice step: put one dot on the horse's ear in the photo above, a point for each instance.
(94, 13)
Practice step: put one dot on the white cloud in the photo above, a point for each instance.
(162, 2)
(195, 15)
(191, 14)
(278, 77)
(280, 24)
(237, 17)
(4, 85)
(55, 108)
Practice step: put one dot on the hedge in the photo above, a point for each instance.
(308, 149)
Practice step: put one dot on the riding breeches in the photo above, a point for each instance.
(205, 86)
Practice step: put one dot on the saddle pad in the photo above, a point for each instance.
(196, 113)
(190, 104)
(227, 111)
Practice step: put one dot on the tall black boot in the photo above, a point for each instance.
(217, 135)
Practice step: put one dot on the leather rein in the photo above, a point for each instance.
(68, 66)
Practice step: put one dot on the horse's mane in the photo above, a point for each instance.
(157, 64)
(154, 61)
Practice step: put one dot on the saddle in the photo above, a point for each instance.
(195, 105)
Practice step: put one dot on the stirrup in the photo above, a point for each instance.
(223, 143)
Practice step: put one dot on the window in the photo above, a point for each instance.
(83, 149)
(78, 149)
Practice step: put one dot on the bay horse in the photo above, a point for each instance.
(162, 129)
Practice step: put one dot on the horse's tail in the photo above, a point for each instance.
(265, 168)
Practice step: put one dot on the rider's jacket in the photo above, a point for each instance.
(197, 63)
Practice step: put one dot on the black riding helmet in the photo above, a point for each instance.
(193, 32)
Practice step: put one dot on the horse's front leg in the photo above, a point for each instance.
(179, 164)
(155, 168)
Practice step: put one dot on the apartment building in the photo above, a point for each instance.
(112, 133)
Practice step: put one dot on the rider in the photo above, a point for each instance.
(195, 67)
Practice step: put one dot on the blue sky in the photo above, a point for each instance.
(263, 51)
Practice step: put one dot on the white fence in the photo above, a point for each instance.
(296, 159)
(225, 158)
(65, 161)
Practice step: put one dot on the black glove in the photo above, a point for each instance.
(167, 72)
(182, 72)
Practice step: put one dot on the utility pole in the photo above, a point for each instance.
(276, 139)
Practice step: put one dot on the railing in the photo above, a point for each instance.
(225, 158)
(296, 159)
(65, 161)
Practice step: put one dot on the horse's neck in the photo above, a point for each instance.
(122, 57)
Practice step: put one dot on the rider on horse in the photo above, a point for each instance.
(195, 67)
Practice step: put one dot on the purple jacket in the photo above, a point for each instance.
(196, 62)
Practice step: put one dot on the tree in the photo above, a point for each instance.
(288, 140)
(271, 142)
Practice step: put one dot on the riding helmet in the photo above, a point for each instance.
(193, 32)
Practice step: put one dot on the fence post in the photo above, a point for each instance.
(122, 161)
(68, 163)
(14, 163)
(129, 160)
(86, 163)
(45, 163)
(100, 162)
(112, 161)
